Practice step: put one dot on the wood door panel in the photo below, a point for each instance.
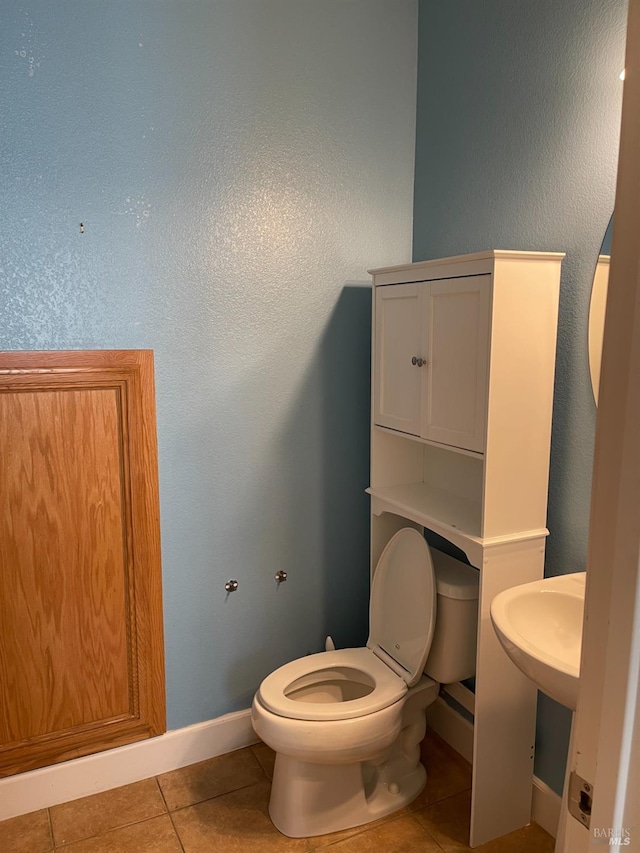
(81, 663)
(63, 601)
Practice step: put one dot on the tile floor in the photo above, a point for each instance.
(220, 806)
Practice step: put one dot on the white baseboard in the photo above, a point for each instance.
(458, 733)
(451, 727)
(545, 806)
(59, 783)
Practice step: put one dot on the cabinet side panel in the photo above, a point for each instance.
(522, 357)
(505, 705)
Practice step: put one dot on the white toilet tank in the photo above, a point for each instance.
(453, 650)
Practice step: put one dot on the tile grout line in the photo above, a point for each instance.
(431, 837)
(260, 764)
(222, 793)
(424, 808)
(51, 835)
(439, 801)
(215, 797)
(166, 805)
(365, 827)
(106, 832)
(377, 824)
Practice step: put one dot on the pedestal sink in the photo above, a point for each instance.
(539, 625)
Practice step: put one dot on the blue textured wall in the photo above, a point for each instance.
(517, 133)
(237, 166)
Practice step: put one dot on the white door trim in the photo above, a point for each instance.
(605, 749)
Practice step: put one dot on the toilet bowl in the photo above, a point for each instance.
(346, 725)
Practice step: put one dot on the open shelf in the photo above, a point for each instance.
(448, 447)
(431, 485)
(448, 514)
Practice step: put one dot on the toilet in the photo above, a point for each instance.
(346, 725)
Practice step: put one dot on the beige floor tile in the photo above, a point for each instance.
(402, 835)
(99, 813)
(447, 772)
(151, 836)
(211, 778)
(331, 838)
(266, 756)
(448, 821)
(531, 839)
(234, 823)
(28, 833)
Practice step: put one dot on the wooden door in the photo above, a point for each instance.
(457, 319)
(398, 346)
(81, 641)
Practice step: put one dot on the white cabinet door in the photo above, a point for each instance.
(398, 342)
(456, 313)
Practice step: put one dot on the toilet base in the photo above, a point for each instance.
(332, 791)
(315, 799)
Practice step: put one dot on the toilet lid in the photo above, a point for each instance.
(402, 612)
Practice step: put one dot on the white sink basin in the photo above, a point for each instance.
(540, 627)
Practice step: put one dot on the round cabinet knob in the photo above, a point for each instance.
(231, 586)
(281, 576)
(417, 361)
(414, 360)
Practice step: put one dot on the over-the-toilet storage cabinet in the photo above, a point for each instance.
(462, 394)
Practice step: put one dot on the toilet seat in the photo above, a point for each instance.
(361, 666)
(350, 683)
